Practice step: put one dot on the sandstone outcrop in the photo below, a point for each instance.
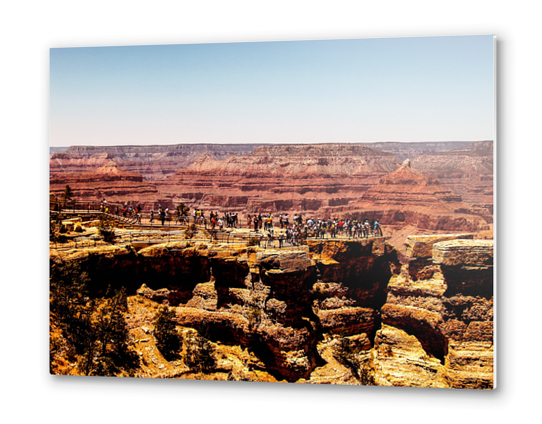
(449, 311)
(259, 299)
(340, 312)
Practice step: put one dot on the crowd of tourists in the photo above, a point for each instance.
(125, 211)
(283, 228)
(319, 228)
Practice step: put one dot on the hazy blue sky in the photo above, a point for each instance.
(393, 89)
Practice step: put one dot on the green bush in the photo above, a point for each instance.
(200, 354)
(253, 241)
(168, 340)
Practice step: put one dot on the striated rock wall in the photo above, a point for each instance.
(467, 171)
(319, 180)
(410, 197)
(443, 312)
(152, 162)
(109, 182)
(340, 312)
(411, 149)
(280, 178)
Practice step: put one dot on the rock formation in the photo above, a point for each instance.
(109, 182)
(410, 197)
(152, 162)
(341, 312)
(409, 150)
(437, 191)
(467, 171)
(444, 311)
(280, 178)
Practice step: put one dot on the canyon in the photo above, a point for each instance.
(109, 182)
(449, 186)
(412, 309)
(326, 312)
(152, 162)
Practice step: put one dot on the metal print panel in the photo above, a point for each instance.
(306, 212)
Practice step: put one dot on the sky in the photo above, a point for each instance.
(361, 90)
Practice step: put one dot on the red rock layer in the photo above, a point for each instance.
(409, 197)
(109, 182)
(152, 162)
(280, 178)
(467, 172)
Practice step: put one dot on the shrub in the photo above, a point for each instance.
(106, 230)
(253, 241)
(93, 329)
(168, 340)
(200, 354)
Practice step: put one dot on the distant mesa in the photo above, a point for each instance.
(335, 159)
(152, 162)
(466, 171)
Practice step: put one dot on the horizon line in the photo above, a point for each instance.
(273, 144)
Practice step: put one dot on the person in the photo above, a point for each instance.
(162, 216)
(281, 237)
(377, 228)
(152, 216)
(269, 240)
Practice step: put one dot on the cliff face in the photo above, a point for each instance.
(467, 171)
(410, 150)
(280, 178)
(109, 182)
(441, 191)
(440, 306)
(340, 312)
(410, 197)
(152, 162)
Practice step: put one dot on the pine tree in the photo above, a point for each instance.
(67, 196)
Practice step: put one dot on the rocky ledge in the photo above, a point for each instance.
(339, 312)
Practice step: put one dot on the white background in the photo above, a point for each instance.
(29, 29)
